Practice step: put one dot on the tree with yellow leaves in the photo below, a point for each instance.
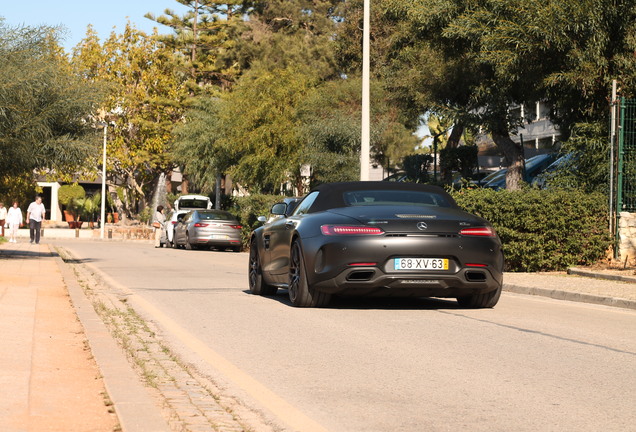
(145, 94)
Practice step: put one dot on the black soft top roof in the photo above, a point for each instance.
(331, 194)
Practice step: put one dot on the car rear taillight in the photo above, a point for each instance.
(478, 232)
(236, 226)
(175, 222)
(200, 225)
(350, 230)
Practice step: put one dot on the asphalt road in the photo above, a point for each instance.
(529, 364)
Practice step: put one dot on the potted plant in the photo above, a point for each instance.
(68, 195)
(88, 207)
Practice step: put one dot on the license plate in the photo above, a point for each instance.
(220, 236)
(414, 264)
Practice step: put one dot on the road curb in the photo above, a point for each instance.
(571, 296)
(136, 409)
(592, 274)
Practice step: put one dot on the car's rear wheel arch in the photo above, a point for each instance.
(301, 292)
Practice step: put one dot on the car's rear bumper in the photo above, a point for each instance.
(374, 281)
(215, 241)
(475, 265)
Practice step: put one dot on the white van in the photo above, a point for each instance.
(192, 202)
(182, 205)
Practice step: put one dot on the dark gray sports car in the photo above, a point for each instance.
(380, 239)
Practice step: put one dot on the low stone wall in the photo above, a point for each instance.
(127, 232)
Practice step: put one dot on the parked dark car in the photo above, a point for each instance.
(565, 164)
(533, 167)
(379, 239)
(208, 228)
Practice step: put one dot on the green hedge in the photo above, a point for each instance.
(543, 230)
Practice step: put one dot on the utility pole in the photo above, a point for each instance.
(365, 147)
(612, 213)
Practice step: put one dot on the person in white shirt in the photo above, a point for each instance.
(3, 216)
(15, 221)
(35, 215)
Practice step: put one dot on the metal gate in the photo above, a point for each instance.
(623, 163)
(626, 184)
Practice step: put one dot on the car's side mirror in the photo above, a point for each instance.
(261, 219)
(279, 209)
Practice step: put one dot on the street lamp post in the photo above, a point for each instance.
(365, 148)
(102, 220)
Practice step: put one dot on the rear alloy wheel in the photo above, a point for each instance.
(480, 301)
(300, 293)
(255, 275)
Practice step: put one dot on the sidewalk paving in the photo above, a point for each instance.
(48, 378)
(60, 370)
(50, 381)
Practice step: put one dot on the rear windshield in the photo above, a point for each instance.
(193, 204)
(215, 216)
(394, 198)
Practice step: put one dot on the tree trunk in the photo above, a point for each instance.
(217, 192)
(453, 142)
(513, 154)
(455, 136)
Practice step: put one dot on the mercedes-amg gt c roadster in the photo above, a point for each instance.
(378, 239)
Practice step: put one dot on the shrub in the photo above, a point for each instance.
(249, 208)
(543, 230)
(417, 167)
(68, 193)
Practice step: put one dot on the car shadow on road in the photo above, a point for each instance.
(368, 303)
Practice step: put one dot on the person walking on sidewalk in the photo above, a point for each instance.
(35, 214)
(3, 216)
(14, 218)
(158, 223)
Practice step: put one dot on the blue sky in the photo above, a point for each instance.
(76, 15)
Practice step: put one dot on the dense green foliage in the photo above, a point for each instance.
(461, 159)
(418, 167)
(262, 89)
(588, 168)
(543, 230)
(195, 144)
(42, 106)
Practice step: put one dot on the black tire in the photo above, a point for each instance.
(480, 301)
(258, 286)
(300, 293)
